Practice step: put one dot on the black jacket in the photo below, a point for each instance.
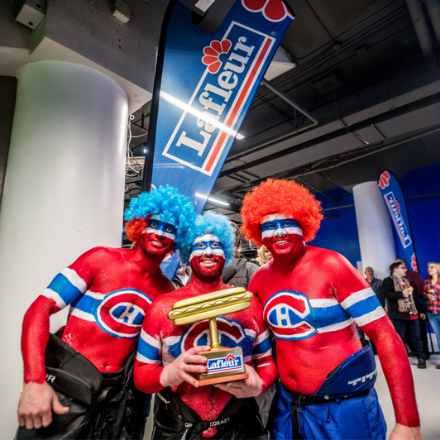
(392, 296)
(239, 272)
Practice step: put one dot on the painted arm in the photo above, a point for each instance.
(150, 375)
(359, 300)
(38, 398)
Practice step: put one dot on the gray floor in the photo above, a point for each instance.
(427, 385)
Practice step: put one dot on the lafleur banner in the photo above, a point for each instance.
(203, 75)
(395, 201)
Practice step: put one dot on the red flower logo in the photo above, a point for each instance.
(273, 10)
(384, 179)
(230, 356)
(414, 263)
(213, 52)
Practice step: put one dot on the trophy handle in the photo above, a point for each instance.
(215, 343)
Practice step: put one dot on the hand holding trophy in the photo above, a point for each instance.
(224, 364)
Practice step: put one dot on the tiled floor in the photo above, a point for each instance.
(427, 385)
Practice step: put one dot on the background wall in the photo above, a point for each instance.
(339, 230)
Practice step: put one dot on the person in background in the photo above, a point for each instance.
(417, 283)
(241, 269)
(264, 255)
(432, 294)
(404, 308)
(375, 284)
(182, 276)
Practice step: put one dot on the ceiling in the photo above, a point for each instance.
(371, 101)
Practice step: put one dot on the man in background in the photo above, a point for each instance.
(418, 284)
(404, 308)
(375, 284)
(182, 276)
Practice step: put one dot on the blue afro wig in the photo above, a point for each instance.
(172, 207)
(215, 224)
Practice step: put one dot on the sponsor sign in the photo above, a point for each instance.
(225, 364)
(395, 202)
(204, 85)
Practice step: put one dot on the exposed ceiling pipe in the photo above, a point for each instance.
(433, 7)
(422, 32)
(289, 101)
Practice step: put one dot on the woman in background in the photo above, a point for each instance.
(432, 294)
(264, 255)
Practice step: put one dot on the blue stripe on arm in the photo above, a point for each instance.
(363, 307)
(262, 347)
(67, 291)
(148, 351)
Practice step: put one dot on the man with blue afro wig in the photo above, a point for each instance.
(168, 354)
(108, 291)
(165, 204)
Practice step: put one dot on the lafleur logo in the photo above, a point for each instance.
(232, 66)
(229, 363)
(394, 207)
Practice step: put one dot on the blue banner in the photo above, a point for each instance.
(395, 201)
(204, 86)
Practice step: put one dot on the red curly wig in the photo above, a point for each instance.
(284, 197)
(135, 228)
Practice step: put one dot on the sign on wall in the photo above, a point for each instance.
(395, 201)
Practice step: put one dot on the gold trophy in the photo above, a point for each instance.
(224, 364)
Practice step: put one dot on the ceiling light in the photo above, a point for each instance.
(145, 150)
(200, 115)
(212, 199)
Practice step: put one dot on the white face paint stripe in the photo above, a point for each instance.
(281, 232)
(160, 233)
(208, 251)
(272, 217)
(206, 237)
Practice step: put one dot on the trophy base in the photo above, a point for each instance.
(224, 365)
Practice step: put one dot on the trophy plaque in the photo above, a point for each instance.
(224, 364)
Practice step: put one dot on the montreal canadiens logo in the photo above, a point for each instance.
(285, 313)
(121, 313)
(230, 333)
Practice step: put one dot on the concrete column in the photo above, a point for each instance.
(374, 228)
(63, 194)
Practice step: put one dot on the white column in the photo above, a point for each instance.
(63, 194)
(374, 228)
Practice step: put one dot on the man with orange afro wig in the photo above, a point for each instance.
(109, 291)
(312, 300)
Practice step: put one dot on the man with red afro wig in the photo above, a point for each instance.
(312, 300)
(81, 386)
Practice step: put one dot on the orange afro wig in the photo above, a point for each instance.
(283, 197)
(135, 228)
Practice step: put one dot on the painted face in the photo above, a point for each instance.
(281, 234)
(207, 256)
(158, 237)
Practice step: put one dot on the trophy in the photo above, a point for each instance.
(224, 364)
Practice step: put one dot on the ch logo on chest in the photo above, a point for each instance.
(121, 313)
(231, 334)
(286, 312)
